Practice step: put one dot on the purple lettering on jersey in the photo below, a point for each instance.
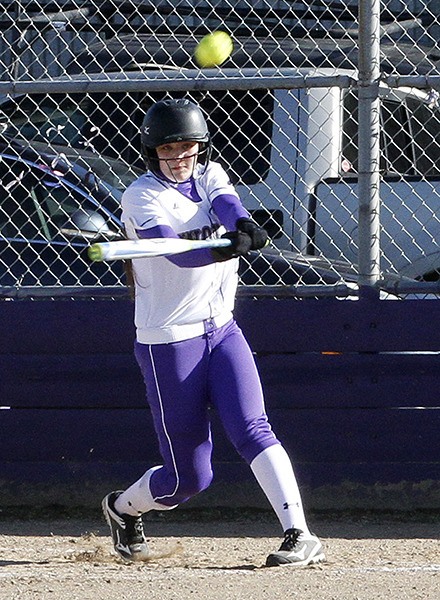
(195, 258)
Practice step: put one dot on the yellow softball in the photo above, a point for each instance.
(213, 49)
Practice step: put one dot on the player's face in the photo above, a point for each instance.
(178, 159)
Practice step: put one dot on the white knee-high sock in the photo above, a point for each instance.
(137, 499)
(274, 472)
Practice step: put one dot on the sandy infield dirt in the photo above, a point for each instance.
(220, 557)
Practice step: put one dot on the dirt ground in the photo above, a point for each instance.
(220, 557)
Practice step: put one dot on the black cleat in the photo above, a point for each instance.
(127, 531)
(297, 550)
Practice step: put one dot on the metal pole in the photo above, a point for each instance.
(369, 149)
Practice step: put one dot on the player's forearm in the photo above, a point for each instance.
(229, 209)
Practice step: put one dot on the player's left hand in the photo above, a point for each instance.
(258, 235)
(240, 245)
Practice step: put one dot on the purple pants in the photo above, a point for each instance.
(183, 379)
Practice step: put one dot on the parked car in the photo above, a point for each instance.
(53, 206)
(50, 210)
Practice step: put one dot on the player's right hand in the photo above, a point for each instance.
(257, 234)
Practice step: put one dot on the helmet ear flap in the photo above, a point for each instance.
(205, 151)
(151, 159)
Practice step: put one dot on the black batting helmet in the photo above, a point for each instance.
(173, 121)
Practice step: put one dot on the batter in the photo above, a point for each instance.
(190, 350)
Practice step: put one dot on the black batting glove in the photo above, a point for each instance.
(258, 235)
(241, 244)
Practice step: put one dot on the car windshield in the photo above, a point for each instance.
(56, 119)
(111, 172)
(61, 124)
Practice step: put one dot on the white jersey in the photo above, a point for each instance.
(177, 303)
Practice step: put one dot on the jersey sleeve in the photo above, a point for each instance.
(223, 197)
(216, 182)
(141, 209)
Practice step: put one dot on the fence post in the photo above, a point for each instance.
(369, 147)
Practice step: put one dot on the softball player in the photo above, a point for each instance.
(191, 351)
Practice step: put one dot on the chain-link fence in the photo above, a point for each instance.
(290, 113)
